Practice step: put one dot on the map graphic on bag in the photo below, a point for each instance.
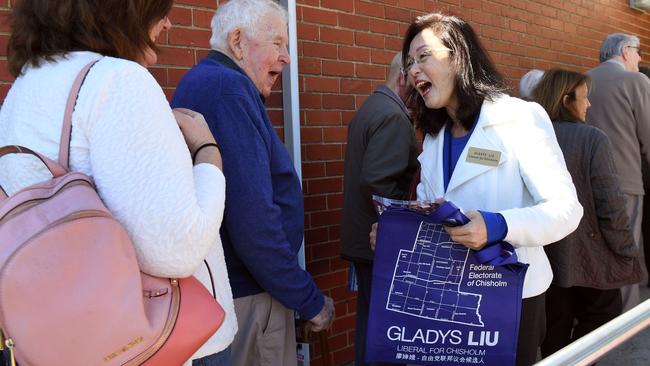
(435, 302)
(71, 291)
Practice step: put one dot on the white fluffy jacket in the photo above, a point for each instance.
(125, 137)
(530, 186)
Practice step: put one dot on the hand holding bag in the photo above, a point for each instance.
(436, 302)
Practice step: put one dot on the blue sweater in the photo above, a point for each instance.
(263, 221)
(495, 223)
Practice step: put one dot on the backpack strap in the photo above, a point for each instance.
(61, 168)
(66, 131)
(52, 166)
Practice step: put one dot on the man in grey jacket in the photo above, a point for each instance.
(620, 106)
(381, 159)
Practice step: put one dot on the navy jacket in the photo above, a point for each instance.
(263, 221)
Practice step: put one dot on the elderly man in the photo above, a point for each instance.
(381, 159)
(262, 228)
(528, 83)
(620, 106)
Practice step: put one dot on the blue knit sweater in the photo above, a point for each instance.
(263, 221)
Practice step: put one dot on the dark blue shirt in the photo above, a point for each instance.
(495, 223)
(263, 222)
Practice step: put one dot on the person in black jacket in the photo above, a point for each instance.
(381, 159)
(591, 264)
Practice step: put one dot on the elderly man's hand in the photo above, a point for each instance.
(325, 318)
(473, 234)
(373, 236)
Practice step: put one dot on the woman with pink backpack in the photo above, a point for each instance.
(157, 171)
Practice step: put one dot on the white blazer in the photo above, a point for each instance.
(530, 186)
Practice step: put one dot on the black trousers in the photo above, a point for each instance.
(364, 277)
(532, 328)
(575, 311)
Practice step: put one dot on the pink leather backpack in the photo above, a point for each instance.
(71, 291)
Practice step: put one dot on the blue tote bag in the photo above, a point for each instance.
(435, 302)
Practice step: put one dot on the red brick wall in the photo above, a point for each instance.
(343, 47)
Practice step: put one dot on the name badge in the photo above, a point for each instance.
(483, 156)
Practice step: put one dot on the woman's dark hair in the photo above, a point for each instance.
(551, 89)
(477, 78)
(42, 29)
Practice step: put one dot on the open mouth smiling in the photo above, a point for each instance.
(423, 87)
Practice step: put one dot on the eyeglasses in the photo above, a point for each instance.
(638, 49)
(421, 58)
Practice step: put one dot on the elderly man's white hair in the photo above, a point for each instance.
(242, 14)
(528, 83)
(614, 43)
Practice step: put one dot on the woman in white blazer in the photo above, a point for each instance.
(484, 150)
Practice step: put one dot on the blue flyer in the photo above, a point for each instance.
(435, 302)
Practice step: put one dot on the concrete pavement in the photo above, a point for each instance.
(636, 350)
